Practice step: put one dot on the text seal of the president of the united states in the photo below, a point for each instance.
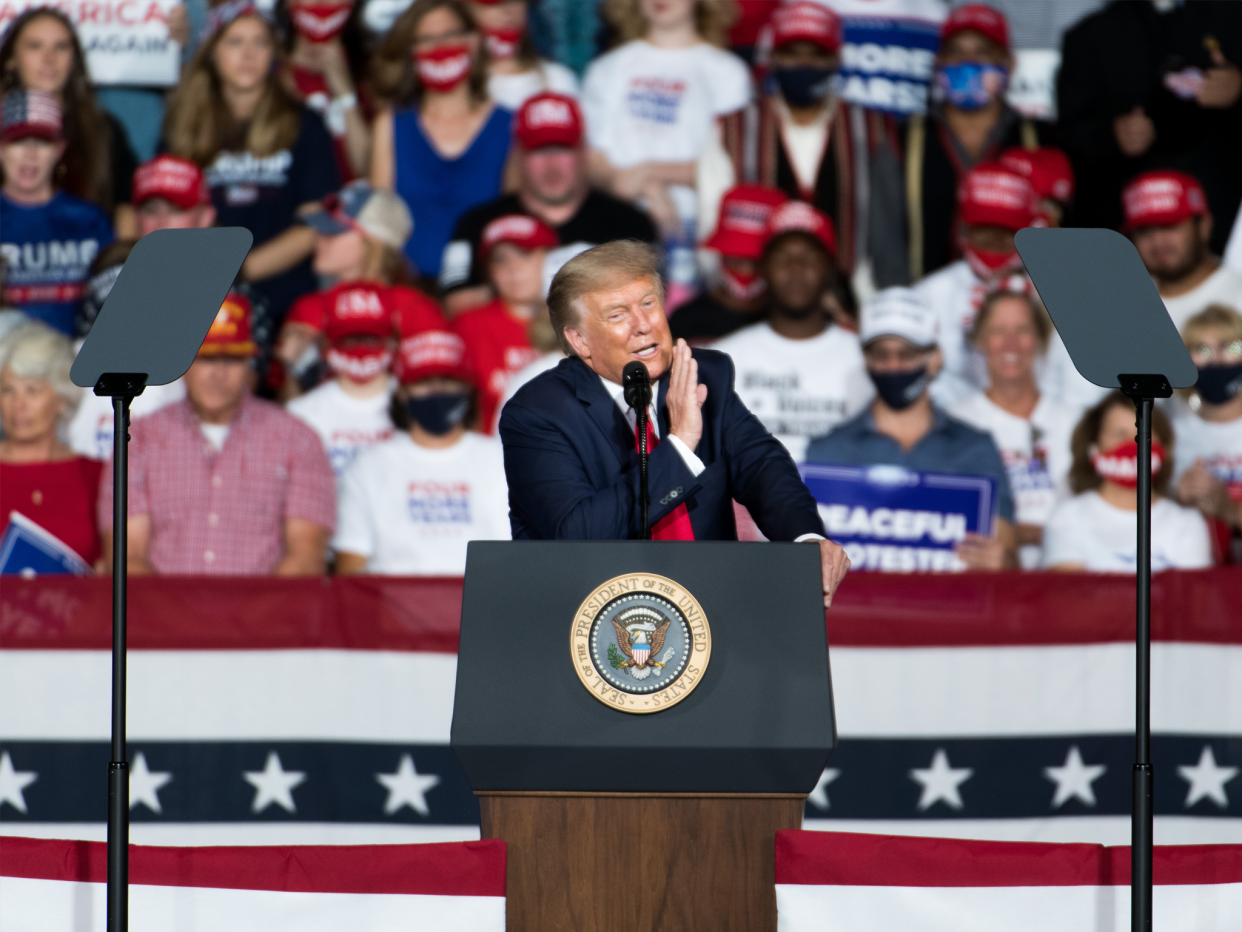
(640, 643)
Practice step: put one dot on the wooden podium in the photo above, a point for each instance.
(662, 821)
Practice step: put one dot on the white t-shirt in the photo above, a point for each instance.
(1036, 454)
(648, 104)
(90, 431)
(512, 90)
(344, 424)
(522, 376)
(799, 389)
(411, 510)
(1219, 446)
(1224, 286)
(1087, 531)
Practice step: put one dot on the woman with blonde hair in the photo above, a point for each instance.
(443, 145)
(651, 107)
(1096, 530)
(267, 158)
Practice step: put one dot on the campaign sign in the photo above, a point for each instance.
(888, 52)
(898, 520)
(27, 549)
(125, 41)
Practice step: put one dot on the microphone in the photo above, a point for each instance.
(637, 385)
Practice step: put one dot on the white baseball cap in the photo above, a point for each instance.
(899, 312)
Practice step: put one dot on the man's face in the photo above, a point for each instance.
(553, 175)
(216, 385)
(155, 213)
(893, 354)
(1173, 251)
(517, 274)
(28, 163)
(804, 54)
(620, 325)
(798, 271)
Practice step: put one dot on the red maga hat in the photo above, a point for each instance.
(979, 18)
(800, 217)
(362, 310)
(231, 333)
(1162, 198)
(178, 181)
(432, 354)
(744, 212)
(548, 119)
(992, 195)
(806, 21)
(522, 230)
(1048, 170)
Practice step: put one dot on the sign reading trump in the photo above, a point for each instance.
(125, 41)
(897, 520)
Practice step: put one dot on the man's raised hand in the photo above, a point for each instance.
(685, 397)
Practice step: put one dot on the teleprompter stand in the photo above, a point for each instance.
(147, 333)
(1119, 335)
(665, 821)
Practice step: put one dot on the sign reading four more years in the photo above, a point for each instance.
(897, 520)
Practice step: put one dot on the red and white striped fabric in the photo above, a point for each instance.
(881, 883)
(52, 884)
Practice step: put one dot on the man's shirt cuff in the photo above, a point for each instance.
(803, 537)
(693, 463)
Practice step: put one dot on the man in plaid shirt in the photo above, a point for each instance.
(223, 483)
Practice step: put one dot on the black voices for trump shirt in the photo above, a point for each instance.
(263, 193)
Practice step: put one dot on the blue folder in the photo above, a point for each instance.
(26, 549)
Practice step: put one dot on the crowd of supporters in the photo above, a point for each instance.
(412, 186)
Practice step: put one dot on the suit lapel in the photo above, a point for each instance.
(601, 408)
(661, 406)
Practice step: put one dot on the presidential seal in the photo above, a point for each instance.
(640, 643)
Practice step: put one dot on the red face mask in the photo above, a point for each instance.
(359, 363)
(444, 68)
(744, 286)
(320, 22)
(986, 263)
(1120, 464)
(503, 43)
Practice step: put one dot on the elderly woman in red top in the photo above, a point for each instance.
(40, 477)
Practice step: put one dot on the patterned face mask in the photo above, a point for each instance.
(1120, 464)
(971, 85)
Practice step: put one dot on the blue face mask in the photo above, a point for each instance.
(439, 413)
(971, 85)
(804, 85)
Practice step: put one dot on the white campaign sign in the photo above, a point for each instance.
(125, 41)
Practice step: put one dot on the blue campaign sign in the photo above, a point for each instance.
(897, 520)
(888, 52)
(27, 549)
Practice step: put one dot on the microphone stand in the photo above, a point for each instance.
(636, 382)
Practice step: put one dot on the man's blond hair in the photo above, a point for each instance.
(612, 265)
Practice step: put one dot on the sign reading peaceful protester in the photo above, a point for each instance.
(897, 520)
(125, 41)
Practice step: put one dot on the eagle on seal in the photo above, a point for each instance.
(641, 642)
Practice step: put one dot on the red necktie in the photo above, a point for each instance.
(676, 524)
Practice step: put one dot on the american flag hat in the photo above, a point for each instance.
(27, 113)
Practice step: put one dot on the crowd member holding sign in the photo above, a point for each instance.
(40, 477)
(48, 237)
(444, 145)
(1208, 468)
(903, 427)
(40, 51)
(410, 505)
(267, 158)
(515, 71)
(1031, 430)
(1096, 529)
(223, 483)
(327, 62)
(797, 372)
(550, 160)
(1166, 215)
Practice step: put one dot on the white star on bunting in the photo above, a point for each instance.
(1207, 779)
(12, 782)
(1074, 779)
(940, 782)
(274, 784)
(144, 785)
(407, 787)
(819, 795)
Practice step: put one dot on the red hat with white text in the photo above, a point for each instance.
(980, 18)
(361, 310)
(522, 230)
(992, 195)
(743, 220)
(807, 22)
(172, 178)
(432, 354)
(800, 217)
(1047, 169)
(1162, 198)
(548, 119)
(231, 333)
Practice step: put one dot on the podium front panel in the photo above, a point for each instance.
(759, 720)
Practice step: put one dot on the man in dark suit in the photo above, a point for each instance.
(571, 443)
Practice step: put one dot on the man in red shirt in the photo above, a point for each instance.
(498, 335)
(223, 483)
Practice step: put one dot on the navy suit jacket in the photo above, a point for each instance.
(573, 470)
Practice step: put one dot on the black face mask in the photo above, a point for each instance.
(804, 85)
(439, 413)
(1219, 384)
(899, 390)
